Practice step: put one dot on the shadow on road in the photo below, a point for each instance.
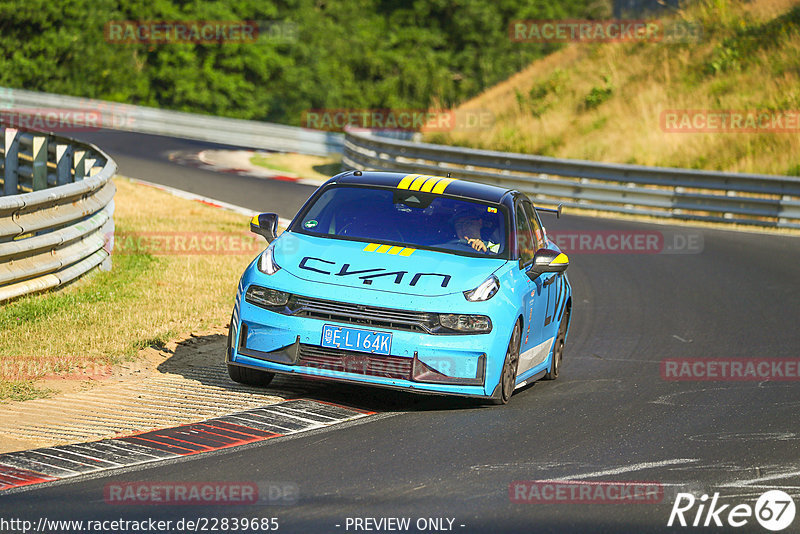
(203, 359)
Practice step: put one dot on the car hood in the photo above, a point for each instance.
(380, 268)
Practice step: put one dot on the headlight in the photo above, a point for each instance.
(479, 324)
(265, 297)
(485, 291)
(266, 262)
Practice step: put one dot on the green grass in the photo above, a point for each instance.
(146, 300)
(305, 166)
(264, 161)
(21, 390)
(100, 287)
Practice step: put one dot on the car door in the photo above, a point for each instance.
(534, 348)
(552, 282)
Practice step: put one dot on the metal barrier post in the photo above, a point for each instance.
(39, 167)
(11, 149)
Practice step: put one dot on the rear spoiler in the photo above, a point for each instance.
(557, 210)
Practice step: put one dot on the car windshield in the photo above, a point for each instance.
(409, 218)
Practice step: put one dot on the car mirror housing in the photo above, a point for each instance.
(547, 261)
(265, 225)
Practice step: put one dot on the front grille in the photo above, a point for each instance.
(374, 316)
(354, 362)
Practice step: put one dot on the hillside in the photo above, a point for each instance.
(607, 102)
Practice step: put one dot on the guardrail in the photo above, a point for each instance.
(126, 117)
(753, 199)
(56, 220)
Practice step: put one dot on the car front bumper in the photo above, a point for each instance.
(451, 364)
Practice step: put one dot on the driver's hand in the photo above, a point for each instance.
(477, 244)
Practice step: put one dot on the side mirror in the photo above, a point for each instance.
(265, 225)
(547, 261)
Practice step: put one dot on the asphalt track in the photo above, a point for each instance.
(609, 417)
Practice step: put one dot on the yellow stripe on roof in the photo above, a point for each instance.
(371, 247)
(442, 184)
(394, 250)
(383, 248)
(429, 183)
(418, 181)
(406, 181)
(407, 251)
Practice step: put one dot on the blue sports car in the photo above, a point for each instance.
(423, 283)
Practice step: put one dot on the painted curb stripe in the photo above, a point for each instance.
(36, 466)
(12, 477)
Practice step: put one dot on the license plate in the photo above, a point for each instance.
(341, 337)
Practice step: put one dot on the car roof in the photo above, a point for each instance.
(425, 183)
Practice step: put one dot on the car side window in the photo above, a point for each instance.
(525, 242)
(538, 233)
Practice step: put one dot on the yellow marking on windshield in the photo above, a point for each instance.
(406, 181)
(371, 247)
(442, 184)
(383, 248)
(418, 181)
(394, 250)
(407, 251)
(429, 183)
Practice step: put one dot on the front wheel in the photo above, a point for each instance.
(558, 349)
(508, 377)
(245, 375)
(250, 377)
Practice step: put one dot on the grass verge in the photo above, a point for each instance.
(302, 165)
(168, 278)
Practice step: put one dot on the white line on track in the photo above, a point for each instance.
(630, 468)
(750, 483)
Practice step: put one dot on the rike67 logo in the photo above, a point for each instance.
(774, 510)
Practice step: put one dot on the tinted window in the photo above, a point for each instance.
(409, 218)
(525, 243)
(534, 222)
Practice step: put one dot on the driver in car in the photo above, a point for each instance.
(469, 228)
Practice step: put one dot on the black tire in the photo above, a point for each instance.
(558, 349)
(508, 377)
(245, 375)
(250, 377)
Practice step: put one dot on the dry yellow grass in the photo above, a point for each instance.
(302, 165)
(543, 110)
(145, 299)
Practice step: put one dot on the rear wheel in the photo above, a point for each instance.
(558, 349)
(508, 377)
